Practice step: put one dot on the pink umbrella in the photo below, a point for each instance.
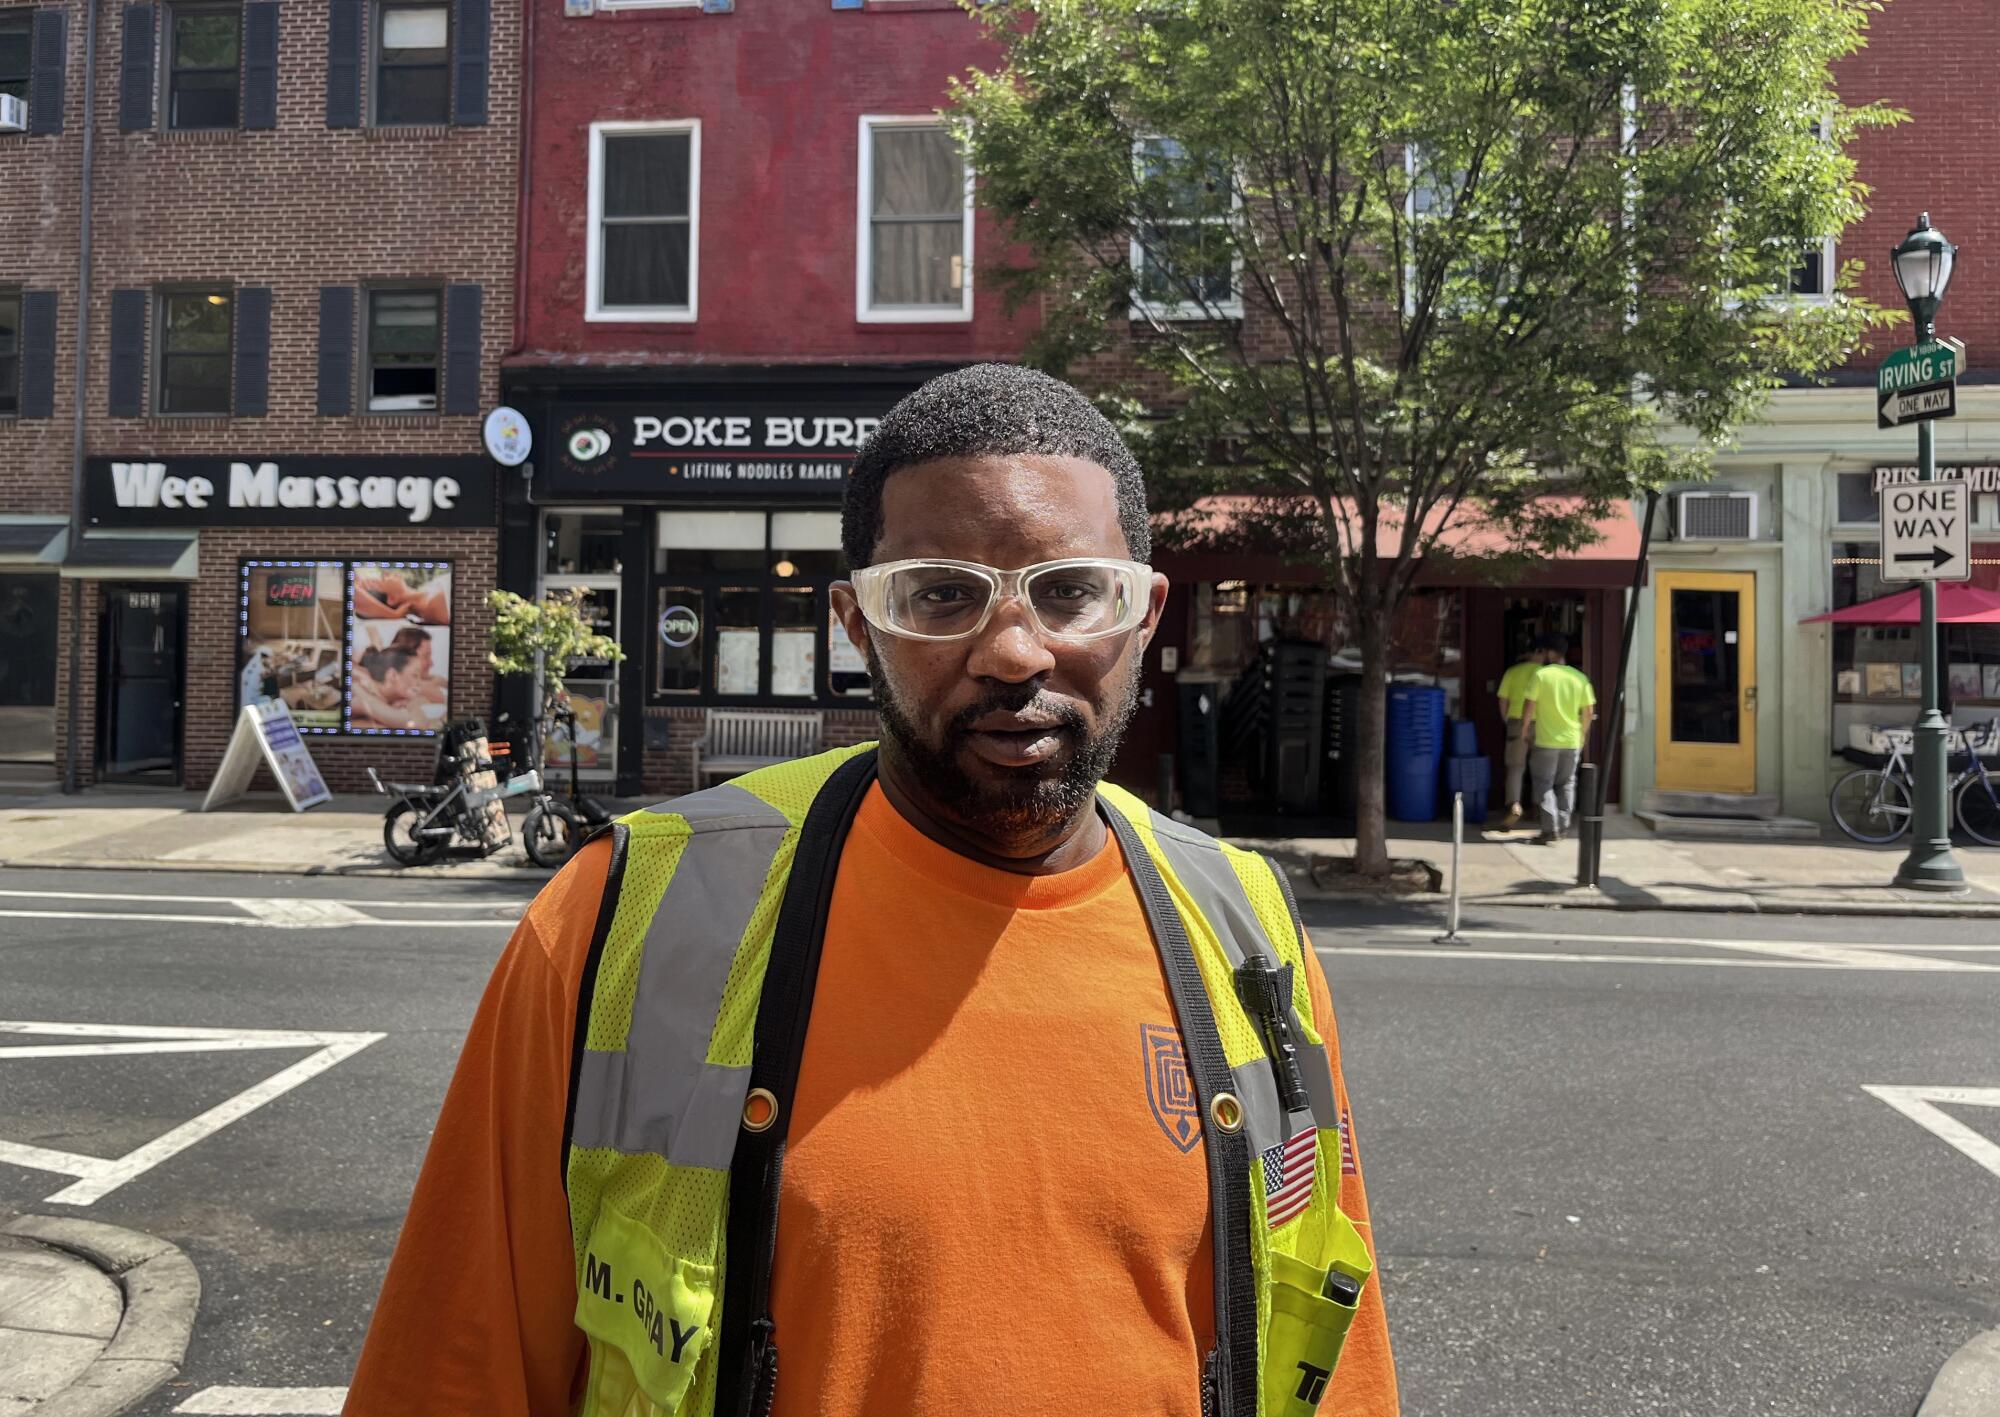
(1958, 604)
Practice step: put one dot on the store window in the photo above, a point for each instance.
(10, 353)
(1876, 667)
(582, 543)
(412, 80)
(645, 192)
(916, 222)
(402, 351)
(741, 612)
(194, 352)
(203, 65)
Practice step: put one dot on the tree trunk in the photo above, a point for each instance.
(1371, 837)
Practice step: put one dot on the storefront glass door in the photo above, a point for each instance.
(581, 553)
(1705, 733)
(141, 636)
(27, 667)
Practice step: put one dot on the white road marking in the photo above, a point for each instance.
(235, 900)
(1918, 1104)
(1449, 952)
(1822, 954)
(268, 1401)
(97, 1177)
(302, 912)
(356, 918)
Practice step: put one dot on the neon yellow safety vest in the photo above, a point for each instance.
(670, 1160)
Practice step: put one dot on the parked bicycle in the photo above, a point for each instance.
(465, 807)
(1872, 805)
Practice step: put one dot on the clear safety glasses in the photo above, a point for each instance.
(1084, 598)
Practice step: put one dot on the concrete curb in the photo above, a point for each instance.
(1969, 1383)
(162, 1294)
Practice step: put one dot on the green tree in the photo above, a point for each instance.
(543, 637)
(1392, 270)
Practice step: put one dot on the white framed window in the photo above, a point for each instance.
(647, 4)
(1178, 272)
(913, 223)
(642, 260)
(1812, 278)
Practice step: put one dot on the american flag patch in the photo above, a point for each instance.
(1288, 1177)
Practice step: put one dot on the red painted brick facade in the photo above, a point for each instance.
(291, 209)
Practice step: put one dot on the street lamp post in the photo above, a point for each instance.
(1923, 263)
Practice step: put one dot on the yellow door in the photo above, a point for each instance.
(1705, 667)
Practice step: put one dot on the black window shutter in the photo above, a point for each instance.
(470, 38)
(128, 352)
(38, 354)
(343, 64)
(336, 349)
(260, 64)
(461, 347)
(45, 85)
(253, 352)
(135, 74)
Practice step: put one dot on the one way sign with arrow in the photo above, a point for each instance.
(1927, 532)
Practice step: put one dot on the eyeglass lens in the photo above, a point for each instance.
(1065, 600)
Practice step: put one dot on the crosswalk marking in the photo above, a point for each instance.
(1763, 954)
(267, 1401)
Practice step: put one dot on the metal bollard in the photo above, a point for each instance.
(1589, 824)
(1450, 936)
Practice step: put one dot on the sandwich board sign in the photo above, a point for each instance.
(266, 734)
(1927, 531)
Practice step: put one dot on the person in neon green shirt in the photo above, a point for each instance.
(1557, 718)
(1513, 694)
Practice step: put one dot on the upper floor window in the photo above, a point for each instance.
(915, 231)
(204, 65)
(402, 351)
(645, 221)
(16, 49)
(412, 65)
(10, 353)
(194, 345)
(1183, 265)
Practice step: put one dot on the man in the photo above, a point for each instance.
(1557, 718)
(976, 1158)
(1513, 707)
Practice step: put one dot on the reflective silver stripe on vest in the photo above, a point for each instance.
(660, 1096)
(1217, 892)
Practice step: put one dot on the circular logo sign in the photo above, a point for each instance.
(588, 443)
(679, 626)
(507, 437)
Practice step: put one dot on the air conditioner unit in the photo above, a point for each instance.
(13, 114)
(1715, 516)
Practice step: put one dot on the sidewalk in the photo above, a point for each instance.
(161, 830)
(1642, 871)
(165, 830)
(92, 1317)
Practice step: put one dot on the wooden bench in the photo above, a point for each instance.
(736, 740)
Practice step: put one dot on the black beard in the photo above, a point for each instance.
(1029, 804)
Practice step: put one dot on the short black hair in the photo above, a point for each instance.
(1555, 644)
(989, 410)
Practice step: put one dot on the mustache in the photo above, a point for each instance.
(1069, 718)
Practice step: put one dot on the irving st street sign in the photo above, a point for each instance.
(1918, 383)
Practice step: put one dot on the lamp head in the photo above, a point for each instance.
(1923, 262)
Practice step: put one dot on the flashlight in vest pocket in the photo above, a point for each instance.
(1311, 1311)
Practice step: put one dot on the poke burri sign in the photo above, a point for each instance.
(1927, 532)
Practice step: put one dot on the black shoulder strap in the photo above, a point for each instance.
(747, 1360)
(1232, 1369)
(586, 992)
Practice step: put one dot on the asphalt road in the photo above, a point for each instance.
(1615, 1169)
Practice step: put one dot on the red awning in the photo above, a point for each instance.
(1605, 562)
(1958, 604)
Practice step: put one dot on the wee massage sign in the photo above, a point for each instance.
(303, 491)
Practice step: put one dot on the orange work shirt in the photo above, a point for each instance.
(985, 1207)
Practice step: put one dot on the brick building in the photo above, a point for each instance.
(301, 236)
(745, 239)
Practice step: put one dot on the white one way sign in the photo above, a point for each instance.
(1927, 531)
